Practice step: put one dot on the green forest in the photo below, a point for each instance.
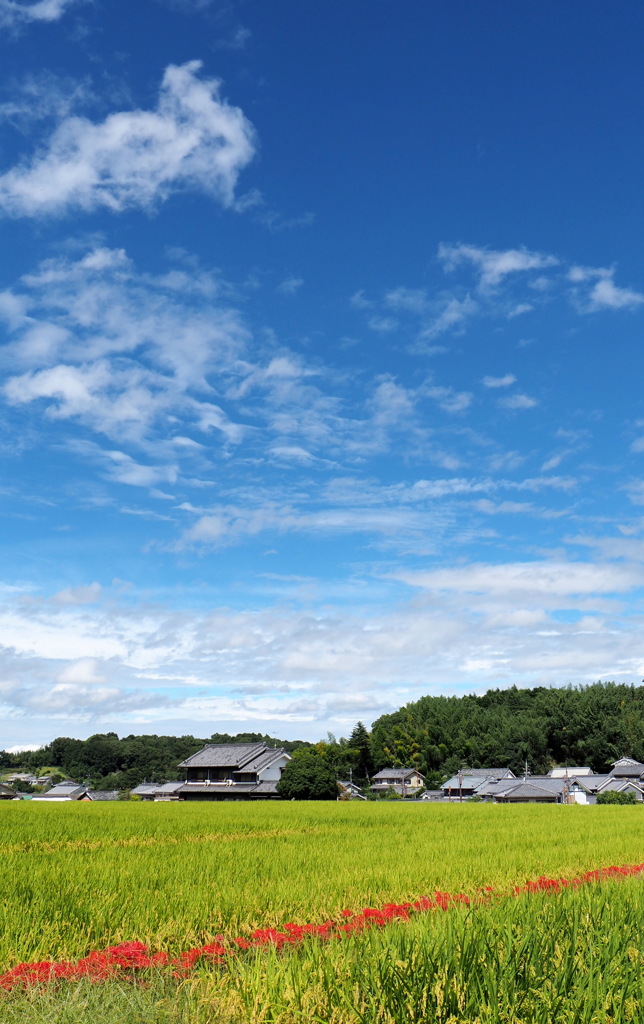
(589, 725)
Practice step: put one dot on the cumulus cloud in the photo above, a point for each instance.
(478, 625)
(138, 158)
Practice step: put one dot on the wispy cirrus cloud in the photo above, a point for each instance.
(43, 97)
(192, 140)
(492, 284)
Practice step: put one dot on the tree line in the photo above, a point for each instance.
(575, 725)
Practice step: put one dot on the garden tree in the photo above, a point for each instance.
(616, 798)
(308, 776)
(21, 786)
(339, 755)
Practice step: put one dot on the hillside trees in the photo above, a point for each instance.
(588, 725)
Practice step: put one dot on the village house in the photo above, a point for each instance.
(349, 791)
(469, 781)
(158, 791)
(7, 793)
(404, 781)
(233, 771)
(63, 791)
(561, 785)
(66, 791)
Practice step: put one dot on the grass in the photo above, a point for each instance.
(77, 877)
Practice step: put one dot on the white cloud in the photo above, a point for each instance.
(454, 313)
(520, 309)
(499, 382)
(123, 352)
(534, 581)
(13, 13)
(78, 595)
(494, 265)
(606, 295)
(132, 666)
(124, 470)
(449, 400)
(290, 285)
(358, 300)
(411, 300)
(383, 324)
(193, 140)
(43, 96)
(84, 671)
(511, 508)
(603, 293)
(517, 402)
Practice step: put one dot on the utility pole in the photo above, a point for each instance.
(460, 785)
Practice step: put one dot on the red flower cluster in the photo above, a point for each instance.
(130, 958)
(543, 884)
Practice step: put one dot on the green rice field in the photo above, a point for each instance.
(83, 877)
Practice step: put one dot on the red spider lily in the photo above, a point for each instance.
(131, 958)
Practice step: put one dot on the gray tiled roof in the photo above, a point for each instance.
(488, 773)
(145, 789)
(528, 789)
(469, 782)
(591, 783)
(492, 786)
(616, 785)
(224, 755)
(265, 787)
(69, 789)
(103, 794)
(396, 773)
(263, 760)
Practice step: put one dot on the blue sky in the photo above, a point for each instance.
(321, 358)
